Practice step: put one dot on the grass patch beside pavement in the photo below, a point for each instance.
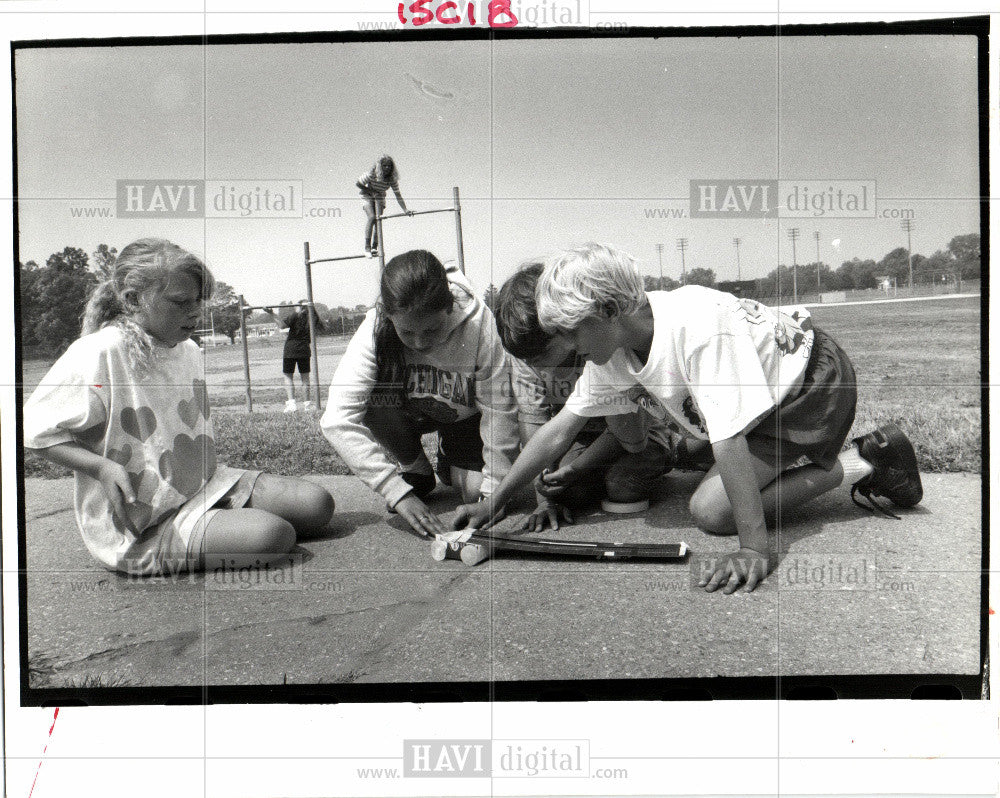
(918, 365)
(289, 444)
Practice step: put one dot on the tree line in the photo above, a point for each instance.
(959, 260)
(52, 298)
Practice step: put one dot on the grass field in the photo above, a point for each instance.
(918, 364)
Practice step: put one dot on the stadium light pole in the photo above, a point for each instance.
(819, 286)
(682, 246)
(908, 227)
(739, 274)
(659, 254)
(794, 234)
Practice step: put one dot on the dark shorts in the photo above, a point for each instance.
(288, 365)
(460, 442)
(816, 421)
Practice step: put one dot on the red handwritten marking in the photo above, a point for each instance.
(992, 611)
(498, 7)
(56, 715)
(98, 386)
(448, 13)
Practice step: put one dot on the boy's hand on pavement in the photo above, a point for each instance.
(478, 515)
(746, 565)
(549, 511)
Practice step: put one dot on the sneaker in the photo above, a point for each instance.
(895, 475)
(290, 406)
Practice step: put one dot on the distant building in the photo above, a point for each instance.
(261, 329)
(740, 288)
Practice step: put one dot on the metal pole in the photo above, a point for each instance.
(739, 273)
(312, 327)
(794, 234)
(908, 227)
(381, 243)
(458, 229)
(246, 354)
(659, 254)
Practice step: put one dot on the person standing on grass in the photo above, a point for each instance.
(426, 358)
(374, 184)
(773, 395)
(126, 409)
(297, 352)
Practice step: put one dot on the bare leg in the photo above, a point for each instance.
(467, 482)
(305, 505)
(304, 379)
(289, 387)
(245, 537)
(713, 513)
(393, 430)
(369, 223)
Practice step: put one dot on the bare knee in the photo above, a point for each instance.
(317, 504)
(267, 533)
(710, 514)
(469, 483)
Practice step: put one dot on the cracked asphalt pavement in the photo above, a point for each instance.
(852, 593)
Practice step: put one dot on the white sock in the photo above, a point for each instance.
(419, 466)
(855, 466)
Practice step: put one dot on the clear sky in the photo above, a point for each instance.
(551, 142)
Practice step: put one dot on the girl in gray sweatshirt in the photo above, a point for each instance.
(426, 358)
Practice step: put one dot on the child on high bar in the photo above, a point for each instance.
(373, 185)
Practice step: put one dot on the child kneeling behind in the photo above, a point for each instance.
(126, 409)
(426, 358)
(773, 395)
(621, 457)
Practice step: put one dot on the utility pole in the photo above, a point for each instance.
(739, 276)
(794, 234)
(819, 286)
(908, 227)
(659, 254)
(682, 246)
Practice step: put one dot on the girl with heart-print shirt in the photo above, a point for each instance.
(126, 408)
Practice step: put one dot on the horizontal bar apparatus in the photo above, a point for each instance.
(342, 257)
(418, 213)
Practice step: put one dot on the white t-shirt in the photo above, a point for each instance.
(157, 426)
(717, 364)
(542, 392)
